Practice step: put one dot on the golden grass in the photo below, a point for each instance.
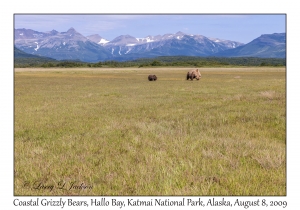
(119, 134)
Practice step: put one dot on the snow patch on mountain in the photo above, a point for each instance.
(147, 39)
(37, 46)
(128, 51)
(103, 41)
(129, 45)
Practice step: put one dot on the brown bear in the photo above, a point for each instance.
(152, 77)
(192, 74)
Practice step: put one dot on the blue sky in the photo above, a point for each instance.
(243, 28)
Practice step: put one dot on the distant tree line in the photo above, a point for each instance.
(163, 61)
(212, 61)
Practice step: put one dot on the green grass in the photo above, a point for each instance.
(123, 135)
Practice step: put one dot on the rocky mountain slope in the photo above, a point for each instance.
(72, 45)
(267, 46)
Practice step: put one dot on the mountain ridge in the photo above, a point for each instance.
(72, 45)
(266, 45)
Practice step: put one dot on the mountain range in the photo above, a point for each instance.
(72, 45)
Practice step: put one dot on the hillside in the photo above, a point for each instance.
(266, 46)
(25, 59)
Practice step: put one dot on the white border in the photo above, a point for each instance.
(154, 6)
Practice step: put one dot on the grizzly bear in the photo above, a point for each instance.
(152, 77)
(192, 74)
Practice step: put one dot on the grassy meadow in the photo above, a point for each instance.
(112, 132)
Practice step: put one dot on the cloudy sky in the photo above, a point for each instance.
(242, 28)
